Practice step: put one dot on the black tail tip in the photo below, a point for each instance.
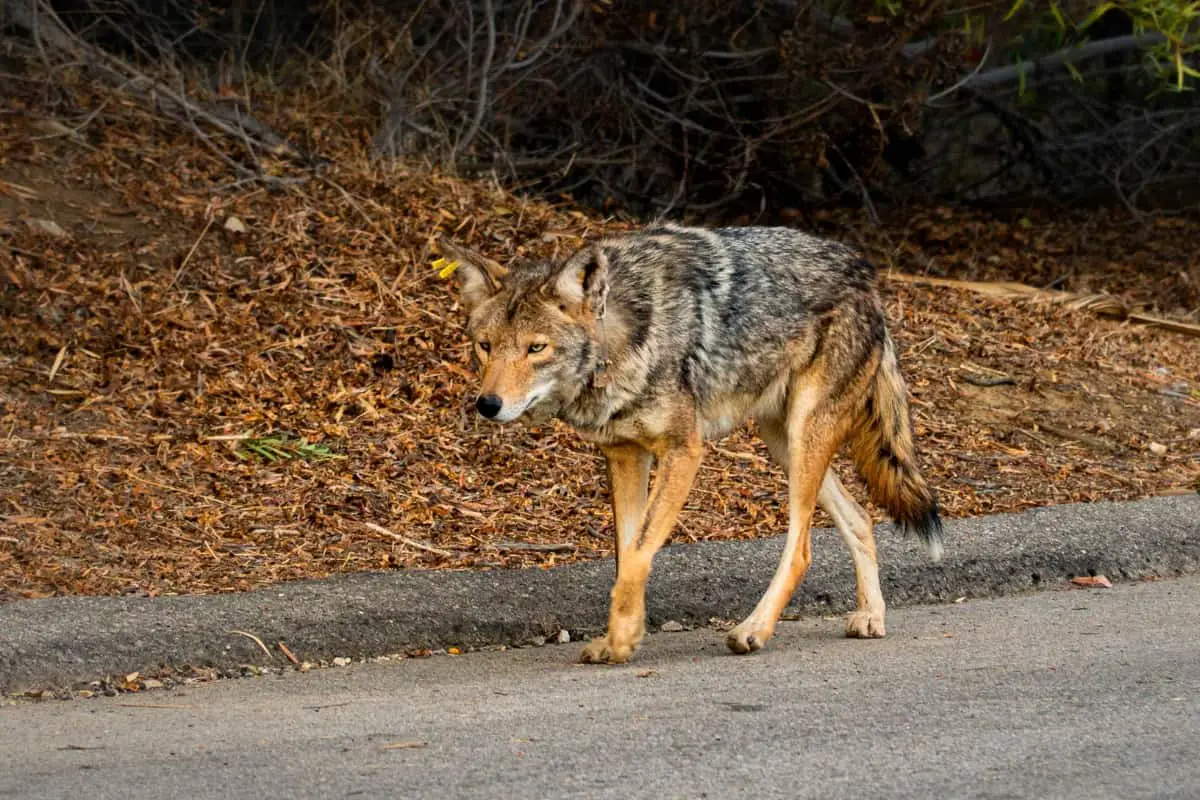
(927, 524)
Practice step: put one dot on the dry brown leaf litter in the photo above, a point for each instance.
(137, 349)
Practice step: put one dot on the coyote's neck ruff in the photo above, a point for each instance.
(649, 343)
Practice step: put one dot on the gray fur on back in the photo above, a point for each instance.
(712, 311)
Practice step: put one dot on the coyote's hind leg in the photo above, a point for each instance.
(853, 523)
(812, 436)
(866, 621)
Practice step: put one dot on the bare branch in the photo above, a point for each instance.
(1059, 60)
(965, 81)
(484, 75)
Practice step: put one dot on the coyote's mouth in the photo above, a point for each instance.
(512, 413)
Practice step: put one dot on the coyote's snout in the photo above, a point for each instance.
(650, 343)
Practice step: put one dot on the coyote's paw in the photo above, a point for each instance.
(600, 651)
(865, 625)
(747, 637)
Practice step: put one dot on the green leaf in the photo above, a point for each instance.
(1015, 8)
(1059, 19)
(1096, 14)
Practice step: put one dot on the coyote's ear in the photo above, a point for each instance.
(478, 276)
(583, 280)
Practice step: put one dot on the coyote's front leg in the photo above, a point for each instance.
(637, 542)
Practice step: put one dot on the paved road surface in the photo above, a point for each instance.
(62, 640)
(1062, 694)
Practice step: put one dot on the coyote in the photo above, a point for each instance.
(649, 343)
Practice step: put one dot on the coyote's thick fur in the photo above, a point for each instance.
(649, 343)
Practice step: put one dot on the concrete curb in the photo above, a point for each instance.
(63, 641)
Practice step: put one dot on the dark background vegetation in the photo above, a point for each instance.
(717, 109)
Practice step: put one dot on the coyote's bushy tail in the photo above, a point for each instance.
(883, 450)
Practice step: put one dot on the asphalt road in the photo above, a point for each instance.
(61, 641)
(1076, 693)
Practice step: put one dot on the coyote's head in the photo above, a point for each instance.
(534, 329)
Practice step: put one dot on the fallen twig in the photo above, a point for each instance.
(190, 253)
(1092, 582)
(289, 654)
(1101, 304)
(405, 540)
(1033, 436)
(129, 474)
(1082, 438)
(255, 639)
(975, 379)
(755, 457)
(57, 365)
(532, 547)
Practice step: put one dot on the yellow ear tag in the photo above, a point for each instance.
(445, 268)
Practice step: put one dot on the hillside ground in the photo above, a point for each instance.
(164, 322)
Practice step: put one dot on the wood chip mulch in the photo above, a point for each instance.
(147, 348)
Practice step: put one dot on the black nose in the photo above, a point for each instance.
(489, 405)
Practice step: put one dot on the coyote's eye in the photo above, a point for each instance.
(485, 347)
(537, 348)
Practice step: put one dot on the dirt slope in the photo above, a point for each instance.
(141, 338)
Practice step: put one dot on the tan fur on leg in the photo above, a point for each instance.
(865, 622)
(628, 480)
(813, 435)
(853, 523)
(677, 466)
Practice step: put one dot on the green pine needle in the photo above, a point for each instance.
(278, 447)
